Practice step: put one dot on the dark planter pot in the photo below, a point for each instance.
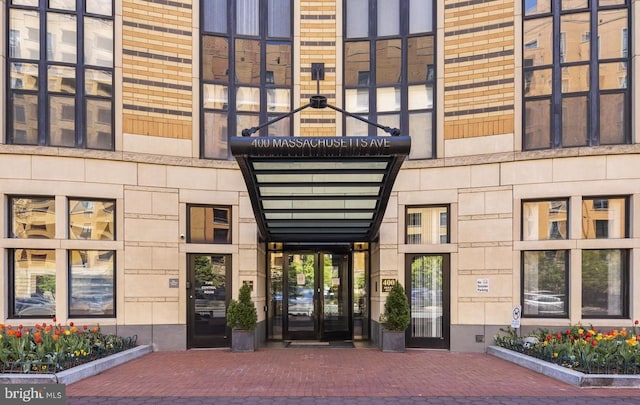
(393, 341)
(243, 341)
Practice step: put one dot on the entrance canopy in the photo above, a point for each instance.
(319, 189)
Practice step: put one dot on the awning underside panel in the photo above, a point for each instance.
(319, 198)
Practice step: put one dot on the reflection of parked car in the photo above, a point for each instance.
(543, 302)
(301, 301)
(92, 305)
(37, 305)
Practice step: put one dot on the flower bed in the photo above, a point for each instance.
(49, 348)
(586, 350)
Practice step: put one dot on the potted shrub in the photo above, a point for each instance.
(395, 320)
(242, 318)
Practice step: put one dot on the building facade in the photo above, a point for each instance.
(122, 203)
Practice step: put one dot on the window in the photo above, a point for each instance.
(52, 78)
(91, 219)
(209, 224)
(91, 283)
(389, 69)
(427, 225)
(604, 218)
(246, 70)
(575, 88)
(605, 283)
(33, 283)
(545, 219)
(545, 287)
(32, 217)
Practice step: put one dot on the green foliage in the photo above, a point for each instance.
(396, 316)
(242, 314)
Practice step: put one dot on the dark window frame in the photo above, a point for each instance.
(42, 93)
(371, 86)
(593, 94)
(627, 211)
(447, 207)
(231, 112)
(549, 200)
(11, 296)
(102, 200)
(114, 287)
(215, 225)
(567, 288)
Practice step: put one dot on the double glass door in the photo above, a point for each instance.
(316, 296)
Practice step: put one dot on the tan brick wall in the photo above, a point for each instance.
(318, 45)
(157, 68)
(479, 87)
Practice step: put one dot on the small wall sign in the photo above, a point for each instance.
(387, 284)
(482, 285)
(173, 283)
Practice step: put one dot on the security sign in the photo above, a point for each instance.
(515, 320)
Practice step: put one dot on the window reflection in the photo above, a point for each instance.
(91, 219)
(34, 283)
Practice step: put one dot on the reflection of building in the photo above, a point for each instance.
(119, 185)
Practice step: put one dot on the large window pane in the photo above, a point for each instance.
(613, 75)
(387, 120)
(248, 99)
(613, 119)
(99, 7)
(612, 31)
(357, 100)
(99, 128)
(61, 38)
(573, 26)
(24, 76)
(215, 58)
(278, 100)
(247, 61)
(215, 15)
(537, 82)
(34, 283)
(575, 79)
(247, 17)
(92, 283)
(357, 63)
(574, 121)
(420, 16)
(544, 220)
(24, 34)
(420, 59)
(98, 42)
(279, 19)
(538, 42)
(245, 121)
(32, 217)
(63, 4)
(98, 82)
(279, 128)
(279, 63)
(388, 98)
(209, 224)
(420, 97)
(62, 111)
(427, 295)
(91, 219)
(388, 61)
(532, 7)
(421, 132)
(62, 79)
(388, 17)
(357, 18)
(603, 283)
(355, 127)
(215, 135)
(545, 283)
(604, 218)
(215, 96)
(24, 119)
(427, 225)
(537, 128)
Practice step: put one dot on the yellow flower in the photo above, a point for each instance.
(555, 354)
(67, 332)
(580, 331)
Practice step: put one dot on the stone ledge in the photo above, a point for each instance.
(79, 372)
(564, 374)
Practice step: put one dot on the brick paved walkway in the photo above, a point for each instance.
(330, 376)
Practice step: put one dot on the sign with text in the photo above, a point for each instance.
(388, 283)
(36, 394)
(482, 285)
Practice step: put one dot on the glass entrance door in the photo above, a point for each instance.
(209, 277)
(429, 300)
(317, 296)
